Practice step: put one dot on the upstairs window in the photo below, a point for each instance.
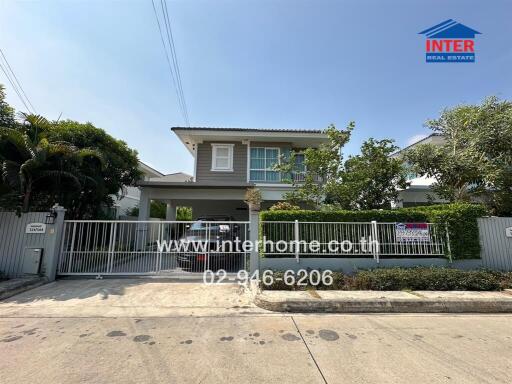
(262, 163)
(222, 157)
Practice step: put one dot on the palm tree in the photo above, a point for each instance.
(33, 160)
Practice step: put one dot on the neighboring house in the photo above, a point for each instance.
(227, 161)
(419, 191)
(130, 197)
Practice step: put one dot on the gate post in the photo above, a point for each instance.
(52, 243)
(375, 241)
(254, 225)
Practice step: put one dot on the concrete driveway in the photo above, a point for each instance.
(152, 331)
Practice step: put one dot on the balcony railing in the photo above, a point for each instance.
(296, 177)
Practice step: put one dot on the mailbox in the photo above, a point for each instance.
(32, 260)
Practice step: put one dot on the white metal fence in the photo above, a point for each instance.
(353, 239)
(98, 247)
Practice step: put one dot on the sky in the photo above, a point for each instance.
(253, 64)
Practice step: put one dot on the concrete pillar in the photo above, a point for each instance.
(144, 210)
(170, 213)
(144, 205)
(52, 243)
(254, 226)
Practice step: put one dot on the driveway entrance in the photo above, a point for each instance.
(174, 248)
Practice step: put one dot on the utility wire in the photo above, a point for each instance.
(172, 67)
(14, 86)
(13, 79)
(174, 56)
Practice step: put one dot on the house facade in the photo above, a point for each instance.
(228, 161)
(419, 191)
(129, 197)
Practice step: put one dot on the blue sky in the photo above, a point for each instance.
(273, 64)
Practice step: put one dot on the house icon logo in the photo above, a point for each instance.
(450, 42)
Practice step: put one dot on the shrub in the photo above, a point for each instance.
(427, 279)
(461, 220)
(397, 279)
(339, 283)
(284, 206)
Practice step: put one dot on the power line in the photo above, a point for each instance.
(16, 83)
(173, 68)
(174, 56)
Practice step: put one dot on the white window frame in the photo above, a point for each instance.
(265, 169)
(229, 168)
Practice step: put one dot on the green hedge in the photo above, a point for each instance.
(460, 218)
(397, 279)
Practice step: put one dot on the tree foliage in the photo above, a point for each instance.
(372, 179)
(76, 165)
(366, 181)
(322, 163)
(158, 210)
(475, 162)
(6, 111)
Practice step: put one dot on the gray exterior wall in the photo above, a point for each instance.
(14, 242)
(239, 174)
(204, 163)
(496, 246)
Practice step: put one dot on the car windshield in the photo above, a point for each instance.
(201, 226)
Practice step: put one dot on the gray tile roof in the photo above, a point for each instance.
(247, 129)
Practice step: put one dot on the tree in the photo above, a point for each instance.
(366, 181)
(372, 179)
(77, 165)
(6, 111)
(120, 165)
(475, 162)
(31, 163)
(322, 163)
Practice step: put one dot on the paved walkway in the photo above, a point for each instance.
(149, 331)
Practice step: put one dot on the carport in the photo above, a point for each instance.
(204, 198)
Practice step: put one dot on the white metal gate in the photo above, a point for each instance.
(107, 247)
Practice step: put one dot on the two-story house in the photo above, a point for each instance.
(419, 191)
(227, 161)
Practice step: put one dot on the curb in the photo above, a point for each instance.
(383, 305)
(17, 286)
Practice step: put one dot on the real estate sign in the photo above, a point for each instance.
(412, 232)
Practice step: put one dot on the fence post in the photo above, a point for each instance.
(254, 225)
(53, 242)
(296, 230)
(448, 246)
(111, 246)
(375, 241)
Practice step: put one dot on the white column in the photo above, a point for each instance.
(144, 205)
(142, 228)
(170, 213)
(254, 223)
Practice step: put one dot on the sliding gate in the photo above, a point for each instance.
(106, 247)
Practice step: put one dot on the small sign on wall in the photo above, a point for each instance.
(35, 228)
(508, 232)
(412, 232)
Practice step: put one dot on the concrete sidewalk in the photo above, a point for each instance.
(385, 301)
(158, 331)
(16, 286)
(130, 298)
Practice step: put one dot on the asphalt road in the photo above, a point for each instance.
(150, 331)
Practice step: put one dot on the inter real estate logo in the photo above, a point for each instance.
(450, 42)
